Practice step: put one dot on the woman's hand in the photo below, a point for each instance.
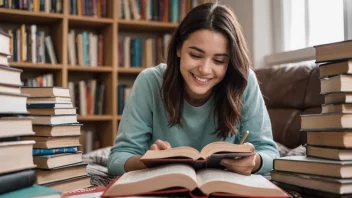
(160, 145)
(244, 166)
(134, 163)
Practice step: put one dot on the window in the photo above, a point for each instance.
(312, 22)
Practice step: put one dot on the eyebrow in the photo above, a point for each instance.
(202, 51)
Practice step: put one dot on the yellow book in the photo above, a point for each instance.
(79, 7)
(10, 4)
(99, 8)
(23, 43)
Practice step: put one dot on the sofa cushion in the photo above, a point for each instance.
(290, 91)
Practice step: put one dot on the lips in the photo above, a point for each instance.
(200, 80)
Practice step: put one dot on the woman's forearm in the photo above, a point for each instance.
(134, 163)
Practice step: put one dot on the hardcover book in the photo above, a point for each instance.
(161, 180)
(209, 157)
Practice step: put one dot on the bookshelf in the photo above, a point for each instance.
(59, 25)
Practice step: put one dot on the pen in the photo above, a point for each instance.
(244, 137)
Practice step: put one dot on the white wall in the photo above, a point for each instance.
(255, 17)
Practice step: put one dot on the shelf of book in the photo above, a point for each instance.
(107, 74)
(24, 16)
(46, 66)
(90, 69)
(95, 118)
(149, 26)
(123, 70)
(88, 21)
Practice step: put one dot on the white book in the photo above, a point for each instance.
(127, 50)
(42, 47)
(166, 39)
(71, 48)
(89, 137)
(82, 98)
(4, 60)
(126, 10)
(34, 43)
(134, 10)
(148, 16)
(55, 119)
(47, 7)
(93, 89)
(71, 87)
(50, 80)
(15, 103)
(95, 50)
(119, 9)
(5, 44)
(50, 48)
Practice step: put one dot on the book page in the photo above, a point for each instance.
(256, 181)
(216, 147)
(182, 151)
(144, 174)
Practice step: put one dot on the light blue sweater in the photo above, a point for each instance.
(145, 120)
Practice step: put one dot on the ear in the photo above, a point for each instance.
(178, 53)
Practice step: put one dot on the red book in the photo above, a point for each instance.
(100, 50)
(104, 12)
(143, 5)
(183, 180)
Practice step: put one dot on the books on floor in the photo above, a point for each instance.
(327, 165)
(16, 168)
(57, 134)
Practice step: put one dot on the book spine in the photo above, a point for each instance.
(121, 92)
(38, 151)
(15, 181)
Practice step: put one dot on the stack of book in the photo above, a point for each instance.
(328, 164)
(57, 133)
(16, 168)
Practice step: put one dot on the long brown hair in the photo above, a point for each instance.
(228, 93)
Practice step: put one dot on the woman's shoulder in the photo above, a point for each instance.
(154, 72)
(152, 76)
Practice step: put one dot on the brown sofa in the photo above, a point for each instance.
(290, 91)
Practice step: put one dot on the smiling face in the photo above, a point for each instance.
(204, 58)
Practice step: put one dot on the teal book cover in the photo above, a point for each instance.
(32, 191)
(39, 151)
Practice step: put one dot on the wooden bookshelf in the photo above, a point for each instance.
(90, 69)
(122, 70)
(148, 26)
(106, 125)
(47, 66)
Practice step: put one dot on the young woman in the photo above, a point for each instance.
(206, 93)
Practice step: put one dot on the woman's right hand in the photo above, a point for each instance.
(134, 163)
(160, 145)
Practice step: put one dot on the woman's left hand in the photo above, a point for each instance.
(244, 166)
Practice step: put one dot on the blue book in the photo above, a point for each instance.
(85, 48)
(40, 151)
(121, 98)
(174, 11)
(32, 191)
(139, 51)
(136, 52)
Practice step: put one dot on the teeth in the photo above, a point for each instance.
(201, 79)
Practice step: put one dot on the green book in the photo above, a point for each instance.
(33, 191)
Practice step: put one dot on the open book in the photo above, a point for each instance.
(209, 157)
(209, 181)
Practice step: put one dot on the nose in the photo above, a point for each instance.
(205, 67)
